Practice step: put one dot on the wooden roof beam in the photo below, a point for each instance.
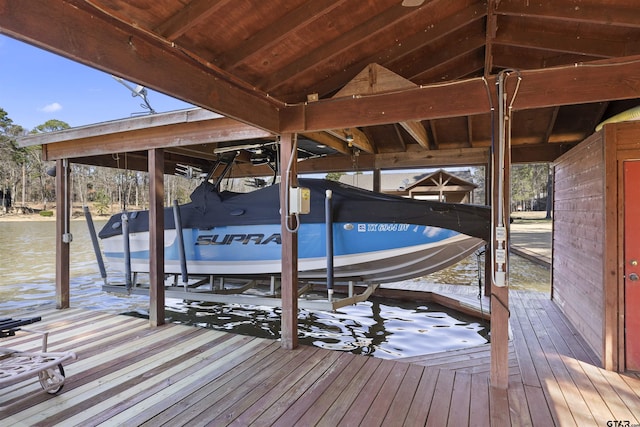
(89, 35)
(604, 14)
(575, 84)
(178, 135)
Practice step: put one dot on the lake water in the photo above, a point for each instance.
(385, 329)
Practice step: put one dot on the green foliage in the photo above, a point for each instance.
(51, 126)
(528, 184)
(102, 202)
(334, 176)
(46, 213)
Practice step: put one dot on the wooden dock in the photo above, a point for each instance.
(130, 374)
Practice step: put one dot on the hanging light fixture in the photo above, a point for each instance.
(412, 3)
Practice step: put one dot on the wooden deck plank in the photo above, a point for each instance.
(168, 380)
(439, 412)
(461, 400)
(479, 414)
(130, 374)
(380, 405)
(579, 408)
(404, 396)
(168, 403)
(253, 403)
(527, 341)
(366, 395)
(518, 405)
(288, 388)
(297, 412)
(323, 403)
(109, 361)
(81, 396)
(421, 404)
(217, 395)
(347, 394)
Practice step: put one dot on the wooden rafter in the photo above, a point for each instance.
(353, 137)
(490, 35)
(329, 140)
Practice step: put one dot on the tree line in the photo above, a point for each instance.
(27, 182)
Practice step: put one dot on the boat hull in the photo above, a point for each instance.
(364, 252)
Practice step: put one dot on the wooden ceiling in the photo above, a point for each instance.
(408, 84)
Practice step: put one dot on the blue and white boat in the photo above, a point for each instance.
(377, 238)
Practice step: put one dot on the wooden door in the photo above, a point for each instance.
(632, 264)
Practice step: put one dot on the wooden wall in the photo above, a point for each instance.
(588, 238)
(578, 238)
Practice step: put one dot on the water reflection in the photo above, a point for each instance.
(376, 327)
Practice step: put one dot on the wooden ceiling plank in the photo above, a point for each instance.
(467, 38)
(191, 15)
(577, 84)
(603, 13)
(435, 30)
(446, 59)
(91, 38)
(581, 44)
(465, 66)
(368, 30)
(275, 32)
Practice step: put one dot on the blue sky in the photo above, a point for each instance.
(36, 86)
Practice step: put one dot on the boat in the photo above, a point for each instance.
(377, 238)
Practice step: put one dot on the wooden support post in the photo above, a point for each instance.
(488, 200)
(376, 180)
(289, 291)
(63, 234)
(499, 376)
(156, 237)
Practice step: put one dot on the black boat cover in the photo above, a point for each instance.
(209, 208)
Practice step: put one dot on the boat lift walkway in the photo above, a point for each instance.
(130, 374)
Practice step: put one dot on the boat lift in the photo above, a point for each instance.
(231, 290)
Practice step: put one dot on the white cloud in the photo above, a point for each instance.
(51, 108)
